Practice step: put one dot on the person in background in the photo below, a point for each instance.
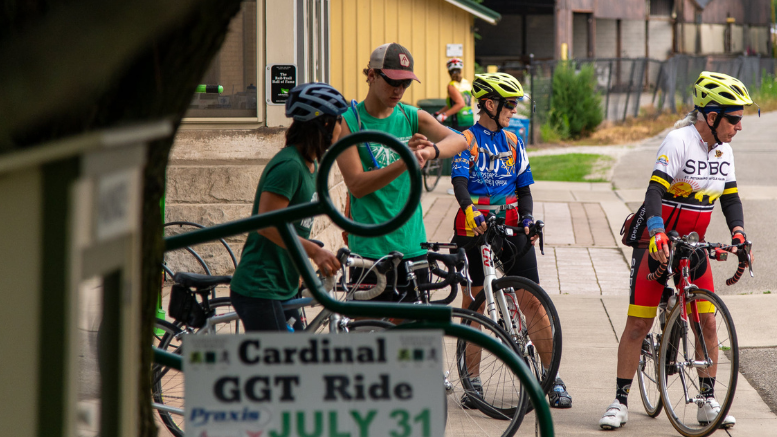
(458, 106)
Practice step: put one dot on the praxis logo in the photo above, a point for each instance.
(205, 416)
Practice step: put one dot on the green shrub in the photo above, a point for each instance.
(575, 108)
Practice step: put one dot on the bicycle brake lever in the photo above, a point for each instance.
(540, 225)
(748, 248)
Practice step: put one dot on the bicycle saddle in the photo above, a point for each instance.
(198, 281)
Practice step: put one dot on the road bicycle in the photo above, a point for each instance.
(167, 394)
(519, 305)
(432, 171)
(671, 357)
(490, 385)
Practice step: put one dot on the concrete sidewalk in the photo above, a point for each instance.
(585, 271)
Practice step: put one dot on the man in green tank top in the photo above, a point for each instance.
(377, 180)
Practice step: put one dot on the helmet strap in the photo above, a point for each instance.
(715, 126)
(499, 108)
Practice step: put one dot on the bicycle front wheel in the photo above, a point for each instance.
(480, 386)
(647, 372)
(432, 172)
(692, 352)
(535, 324)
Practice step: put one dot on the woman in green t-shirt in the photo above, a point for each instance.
(266, 276)
(377, 179)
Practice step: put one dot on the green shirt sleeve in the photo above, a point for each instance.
(283, 179)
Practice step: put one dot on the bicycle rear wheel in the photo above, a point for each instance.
(500, 394)
(432, 172)
(167, 383)
(536, 325)
(647, 372)
(681, 356)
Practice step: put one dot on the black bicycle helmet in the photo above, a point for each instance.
(311, 100)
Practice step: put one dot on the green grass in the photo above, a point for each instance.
(572, 167)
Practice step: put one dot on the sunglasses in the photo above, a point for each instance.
(405, 83)
(733, 119)
(508, 104)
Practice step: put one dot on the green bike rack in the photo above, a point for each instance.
(429, 317)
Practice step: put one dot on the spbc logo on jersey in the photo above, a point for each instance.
(693, 167)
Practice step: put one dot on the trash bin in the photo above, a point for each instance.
(432, 105)
(520, 126)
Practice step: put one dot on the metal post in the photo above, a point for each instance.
(628, 91)
(639, 88)
(607, 99)
(658, 83)
(531, 103)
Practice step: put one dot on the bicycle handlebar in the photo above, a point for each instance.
(717, 251)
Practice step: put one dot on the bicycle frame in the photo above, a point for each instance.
(498, 298)
(682, 292)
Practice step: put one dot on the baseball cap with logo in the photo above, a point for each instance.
(394, 61)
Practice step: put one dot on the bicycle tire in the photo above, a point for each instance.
(432, 172)
(167, 383)
(368, 325)
(673, 372)
(647, 372)
(530, 332)
(503, 396)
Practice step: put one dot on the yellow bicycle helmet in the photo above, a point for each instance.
(721, 89)
(495, 85)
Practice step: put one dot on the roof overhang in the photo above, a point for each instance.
(478, 10)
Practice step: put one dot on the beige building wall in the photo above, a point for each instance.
(660, 39)
(712, 38)
(423, 26)
(757, 39)
(737, 39)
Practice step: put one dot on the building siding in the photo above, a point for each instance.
(423, 26)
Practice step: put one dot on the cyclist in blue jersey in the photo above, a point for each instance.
(492, 174)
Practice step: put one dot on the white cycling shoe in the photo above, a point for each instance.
(616, 416)
(710, 410)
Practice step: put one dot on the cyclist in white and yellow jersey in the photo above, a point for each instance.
(458, 104)
(694, 167)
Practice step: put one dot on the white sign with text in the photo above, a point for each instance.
(305, 385)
